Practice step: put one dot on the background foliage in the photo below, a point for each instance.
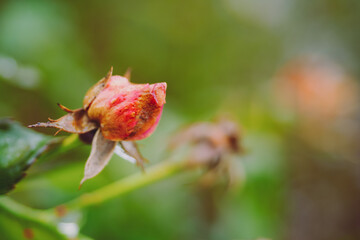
(218, 57)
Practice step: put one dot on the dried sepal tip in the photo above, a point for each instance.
(131, 151)
(96, 89)
(76, 121)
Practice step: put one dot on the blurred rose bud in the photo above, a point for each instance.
(113, 110)
(213, 146)
(325, 100)
(316, 88)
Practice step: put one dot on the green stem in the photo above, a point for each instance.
(46, 219)
(128, 184)
(28, 216)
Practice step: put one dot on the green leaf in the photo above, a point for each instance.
(19, 148)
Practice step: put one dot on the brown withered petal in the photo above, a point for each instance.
(132, 150)
(102, 150)
(76, 121)
(95, 90)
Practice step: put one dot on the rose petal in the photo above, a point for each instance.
(101, 152)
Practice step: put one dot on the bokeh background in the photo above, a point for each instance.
(287, 71)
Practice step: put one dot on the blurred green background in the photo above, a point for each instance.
(218, 58)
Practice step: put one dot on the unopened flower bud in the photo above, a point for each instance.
(127, 111)
(113, 110)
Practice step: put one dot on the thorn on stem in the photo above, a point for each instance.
(28, 233)
(60, 211)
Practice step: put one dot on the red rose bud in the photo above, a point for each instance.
(127, 111)
(113, 110)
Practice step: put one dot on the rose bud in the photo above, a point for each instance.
(116, 110)
(127, 111)
(213, 145)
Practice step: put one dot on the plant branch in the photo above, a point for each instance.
(29, 216)
(46, 219)
(128, 184)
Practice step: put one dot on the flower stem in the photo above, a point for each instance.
(46, 219)
(128, 184)
(30, 217)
